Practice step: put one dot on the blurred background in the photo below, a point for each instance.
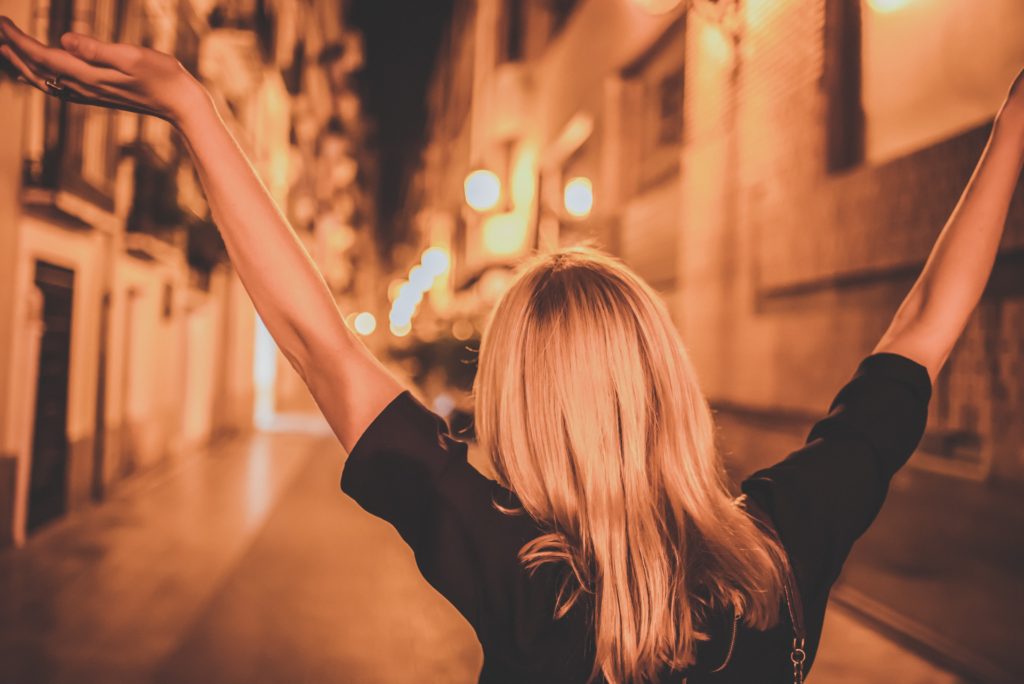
(777, 169)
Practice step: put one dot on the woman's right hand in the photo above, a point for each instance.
(113, 75)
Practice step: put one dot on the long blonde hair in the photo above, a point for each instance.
(590, 412)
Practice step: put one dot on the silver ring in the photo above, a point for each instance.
(55, 84)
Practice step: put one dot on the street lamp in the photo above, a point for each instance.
(504, 233)
(578, 197)
(421, 278)
(435, 260)
(400, 329)
(483, 189)
(365, 323)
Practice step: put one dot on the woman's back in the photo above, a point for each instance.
(408, 469)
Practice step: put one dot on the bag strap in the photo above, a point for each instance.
(798, 654)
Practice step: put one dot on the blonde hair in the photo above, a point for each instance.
(590, 412)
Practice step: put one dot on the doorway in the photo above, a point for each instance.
(48, 480)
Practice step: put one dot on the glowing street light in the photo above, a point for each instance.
(406, 295)
(365, 323)
(421, 278)
(483, 190)
(579, 197)
(504, 233)
(394, 287)
(435, 260)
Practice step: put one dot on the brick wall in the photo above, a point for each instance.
(792, 273)
(789, 274)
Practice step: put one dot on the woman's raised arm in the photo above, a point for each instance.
(349, 384)
(935, 312)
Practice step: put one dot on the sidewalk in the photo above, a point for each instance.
(248, 564)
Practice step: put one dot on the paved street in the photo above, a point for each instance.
(247, 564)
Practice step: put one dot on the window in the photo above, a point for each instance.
(842, 80)
(670, 97)
(652, 113)
(73, 146)
(511, 31)
(560, 11)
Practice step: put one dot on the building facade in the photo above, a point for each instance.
(778, 170)
(126, 340)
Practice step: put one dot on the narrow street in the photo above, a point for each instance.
(247, 564)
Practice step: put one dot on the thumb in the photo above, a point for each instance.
(85, 48)
(100, 53)
(71, 42)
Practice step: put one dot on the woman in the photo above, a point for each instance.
(609, 548)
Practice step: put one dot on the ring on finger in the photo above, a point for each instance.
(55, 85)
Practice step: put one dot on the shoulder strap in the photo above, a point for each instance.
(792, 594)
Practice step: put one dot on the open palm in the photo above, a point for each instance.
(104, 74)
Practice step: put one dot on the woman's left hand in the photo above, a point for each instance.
(94, 72)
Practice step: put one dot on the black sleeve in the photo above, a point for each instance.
(407, 469)
(824, 496)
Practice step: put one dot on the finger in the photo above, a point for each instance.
(18, 60)
(55, 60)
(104, 97)
(38, 80)
(111, 92)
(99, 53)
(16, 41)
(76, 92)
(30, 76)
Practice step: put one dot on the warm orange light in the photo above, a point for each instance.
(657, 6)
(462, 329)
(493, 284)
(401, 330)
(365, 323)
(885, 6)
(504, 233)
(579, 197)
(394, 287)
(483, 190)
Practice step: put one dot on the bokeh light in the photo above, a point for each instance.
(394, 287)
(435, 260)
(504, 233)
(365, 323)
(462, 329)
(579, 197)
(483, 190)
(420, 278)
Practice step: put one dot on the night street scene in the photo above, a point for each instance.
(511, 341)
